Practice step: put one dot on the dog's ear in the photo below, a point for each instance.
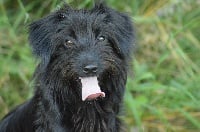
(66, 7)
(99, 6)
(123, 32)
(42, 31)
(39, 38)
(99, 2)
(121, 29)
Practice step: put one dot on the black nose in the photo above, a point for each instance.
(90, 69)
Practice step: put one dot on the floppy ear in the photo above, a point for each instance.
(122, 29)
(66, 7)
(99, 6)
(124, 34)
(98, 2)
(39, 38)
(41, 33)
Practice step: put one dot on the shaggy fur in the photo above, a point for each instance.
(65, 41)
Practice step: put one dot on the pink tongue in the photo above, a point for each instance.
(90, 88)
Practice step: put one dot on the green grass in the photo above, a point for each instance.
(163, 90)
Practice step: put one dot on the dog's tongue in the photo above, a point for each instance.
(90, 88)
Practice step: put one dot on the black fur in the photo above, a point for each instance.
(100, 36)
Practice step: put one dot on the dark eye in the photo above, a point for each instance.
(68, 43)
(101, 38)
(61, 16)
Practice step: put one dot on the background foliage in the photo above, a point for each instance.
(163, 90)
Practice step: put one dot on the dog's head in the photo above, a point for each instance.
(83, 46)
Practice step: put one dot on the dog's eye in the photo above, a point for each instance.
(68, 43)
(101, 38)
(61, 16)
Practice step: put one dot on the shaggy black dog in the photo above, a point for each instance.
(80, 81)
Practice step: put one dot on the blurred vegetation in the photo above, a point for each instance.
(163, 94)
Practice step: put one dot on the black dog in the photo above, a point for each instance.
(80, 82)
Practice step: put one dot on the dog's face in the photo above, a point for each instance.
(83, 49)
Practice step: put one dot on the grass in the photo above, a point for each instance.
(163, 91)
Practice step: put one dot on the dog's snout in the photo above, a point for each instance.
(90, 69)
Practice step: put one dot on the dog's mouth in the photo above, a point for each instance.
(90, 88)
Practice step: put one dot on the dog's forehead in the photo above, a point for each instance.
(84, 18)
(84, 23)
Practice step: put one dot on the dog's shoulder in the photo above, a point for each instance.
(15, 120)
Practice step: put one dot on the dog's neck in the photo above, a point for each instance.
(81, 116)
(94, 116)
